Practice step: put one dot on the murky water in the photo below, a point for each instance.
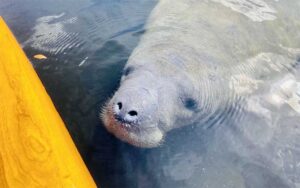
(88, 42)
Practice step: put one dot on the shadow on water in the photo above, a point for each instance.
(76, 92)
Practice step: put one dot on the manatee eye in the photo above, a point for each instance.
(128, 70)
(190, 104)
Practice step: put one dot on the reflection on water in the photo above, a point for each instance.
(87, 44)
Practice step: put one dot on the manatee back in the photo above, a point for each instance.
(224, 32)
(214, 43)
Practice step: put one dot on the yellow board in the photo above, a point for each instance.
(36, 150)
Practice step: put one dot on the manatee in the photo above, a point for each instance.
(202, 62)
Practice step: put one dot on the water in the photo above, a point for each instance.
(88, 42)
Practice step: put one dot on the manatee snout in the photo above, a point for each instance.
(132, 115)
(132, 106)
(124, 116)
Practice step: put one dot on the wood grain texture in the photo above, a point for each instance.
(36, 149)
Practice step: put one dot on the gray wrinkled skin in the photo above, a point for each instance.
(217, 62)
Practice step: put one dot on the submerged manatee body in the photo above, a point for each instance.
(197, 58)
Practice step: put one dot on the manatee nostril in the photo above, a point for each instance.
(132, 113)
(119, 105)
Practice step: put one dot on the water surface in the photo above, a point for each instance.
(87, 43)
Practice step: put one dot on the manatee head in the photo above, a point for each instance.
(152, 99)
